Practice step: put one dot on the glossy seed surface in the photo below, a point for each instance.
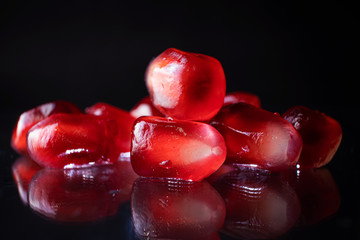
(179, 149)
(245, 97)
(118, 128)
(67, 140)
(35, 115)
(256, 136)
(184, 85)
(321, 135)
(145, 108)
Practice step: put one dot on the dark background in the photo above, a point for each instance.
(287, 53)
(87, 51)
(90, 51)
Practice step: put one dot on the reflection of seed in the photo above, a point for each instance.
(166, 164)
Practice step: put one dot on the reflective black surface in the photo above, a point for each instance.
(244, 203)
(288, 54)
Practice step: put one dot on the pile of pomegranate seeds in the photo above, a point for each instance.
(185, 129)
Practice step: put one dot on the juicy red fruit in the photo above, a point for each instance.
(66, 140)
(187, 86)
(35, 115)
(180, 149)
(118, 128)
(237, 97)
(256, 136)
(321, 135)
(145, 108)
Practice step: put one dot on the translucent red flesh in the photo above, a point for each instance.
(68, 140)
(185, 85)
(256, 136)
(35, 115)
(321, 135)
(118, 128)
(176, 149)
(245, 97)
(145, 108)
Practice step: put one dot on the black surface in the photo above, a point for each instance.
(87, 51)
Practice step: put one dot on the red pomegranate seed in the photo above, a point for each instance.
(119, 124)
(23, 171)
(256, 136)
(35, 115)
(321, 135)
(67, 140)
(145, 108)
(176, 209)
(318, 193)
(179, 149)
(259, 205)
(187, 86)
(244, 97)
(81, 195)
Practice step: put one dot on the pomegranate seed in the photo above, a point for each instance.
(319, 196)
(256, 136)
(67, 140)
(119, 124)
(259, 205)
(176, 209)
(35, 115)
(244, 97)
(81, 195)
(145, 108)
(180, 149)
(187, 86)
(23, 171)
(321, 135)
